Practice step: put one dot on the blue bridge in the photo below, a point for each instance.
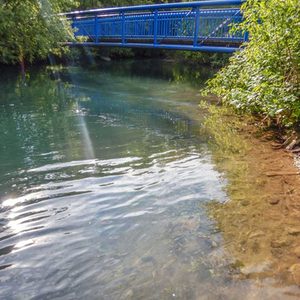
(196, 26)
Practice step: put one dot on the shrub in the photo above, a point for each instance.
(264, 77)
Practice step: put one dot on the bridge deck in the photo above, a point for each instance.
(197, 26)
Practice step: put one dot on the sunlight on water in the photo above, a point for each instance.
(86, 140)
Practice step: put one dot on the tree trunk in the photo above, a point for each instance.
(22, 67)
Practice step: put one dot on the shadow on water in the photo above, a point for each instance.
(106, 183)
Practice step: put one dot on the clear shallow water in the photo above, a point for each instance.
(104, 177)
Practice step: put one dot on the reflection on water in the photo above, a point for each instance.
(105, 180)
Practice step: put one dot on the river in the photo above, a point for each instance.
(105, 182)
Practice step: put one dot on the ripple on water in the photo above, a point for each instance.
(115, 227)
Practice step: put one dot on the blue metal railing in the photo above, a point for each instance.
(197, 26)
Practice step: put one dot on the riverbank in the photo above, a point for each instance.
(260, 222)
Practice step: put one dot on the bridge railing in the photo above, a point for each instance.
(202, 25)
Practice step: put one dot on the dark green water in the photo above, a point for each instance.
(104, 176)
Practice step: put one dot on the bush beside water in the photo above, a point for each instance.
(264, 78)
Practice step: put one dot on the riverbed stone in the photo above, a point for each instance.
(279, 243)
(214, 244)
(297, 251)
(245, 202)
(256, 234)
(274, 201)
(295, 271)
(294, 230)
(128, 294)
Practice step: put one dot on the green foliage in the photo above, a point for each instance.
(203, 58)
(30, 29)
(120, 52)
(264, 78)
(86, 4)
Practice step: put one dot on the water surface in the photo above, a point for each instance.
(105, 177)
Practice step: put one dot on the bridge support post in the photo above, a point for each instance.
(123, 28)
(155, 25)
(96, 29)
(196, 30)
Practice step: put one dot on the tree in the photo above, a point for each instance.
(264, 78)
(86, 4)
(30, 29)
